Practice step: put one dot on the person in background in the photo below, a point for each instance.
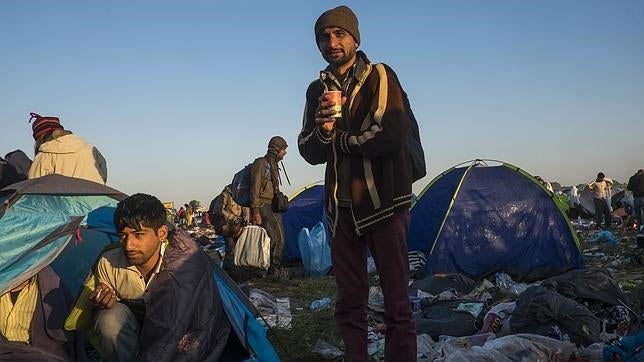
(8, 174)
(600, 188)
(190, 215)
(367, 183)
(181, 216)
(20, 161)
(61, 152)
(264, 184)
(636, 186)
(156, 295)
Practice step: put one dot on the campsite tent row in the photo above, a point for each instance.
(473, 220)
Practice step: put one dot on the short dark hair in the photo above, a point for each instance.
(139, 210)
(600, 175)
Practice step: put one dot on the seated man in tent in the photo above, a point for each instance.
(32, 316)
(156, 297)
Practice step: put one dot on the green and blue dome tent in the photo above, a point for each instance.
(479, 219)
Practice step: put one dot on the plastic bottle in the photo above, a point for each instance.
(320, 304)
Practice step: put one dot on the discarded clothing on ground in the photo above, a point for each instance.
(437, 283)
(593, 285)
(545, 312)
(443, 318)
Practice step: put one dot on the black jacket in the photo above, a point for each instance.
(371, 137)
(636, 184)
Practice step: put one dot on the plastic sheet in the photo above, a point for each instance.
(315, 250)
(517, 347)
(604, 236)
(508, 285)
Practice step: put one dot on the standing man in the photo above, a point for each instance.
(600, 188)
(368, 183)
(264, 185)
(60, 151)
(156, 296)
(636, 185)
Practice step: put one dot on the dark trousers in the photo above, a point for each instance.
(388, 246)
(272, 222)
(601, 211)
(638, 209)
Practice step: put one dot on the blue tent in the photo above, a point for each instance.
(54, 220)
(480, 219)
(66, 222)
(305, 209)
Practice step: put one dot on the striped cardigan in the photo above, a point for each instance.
(371, 137)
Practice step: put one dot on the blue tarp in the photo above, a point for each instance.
(304, 211)
(32, 218)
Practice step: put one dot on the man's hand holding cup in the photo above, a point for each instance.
(329, 109)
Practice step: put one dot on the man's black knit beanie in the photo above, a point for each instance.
(277, 143)
(341, 17)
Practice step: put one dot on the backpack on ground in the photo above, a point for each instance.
(240, 187)
(413, 144)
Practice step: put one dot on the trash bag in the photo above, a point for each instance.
(315, 250)
(592, 285)
(443, 318)
(435, 284)
(542, 311)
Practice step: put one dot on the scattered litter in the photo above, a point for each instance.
(371, 265)
(472, 308)
(424, 346)
(517, 347)
(376, 299)
(374, 342)
(320, 304)
(506, 283)
(448, 294)
(275, 312)
(604, 236)
(326, 349)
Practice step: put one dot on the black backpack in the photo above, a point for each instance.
(413, 144)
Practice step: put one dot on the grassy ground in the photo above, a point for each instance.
(295, 344)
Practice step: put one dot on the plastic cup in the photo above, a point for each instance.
(335, 96)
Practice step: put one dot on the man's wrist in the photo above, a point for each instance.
(325, 136)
